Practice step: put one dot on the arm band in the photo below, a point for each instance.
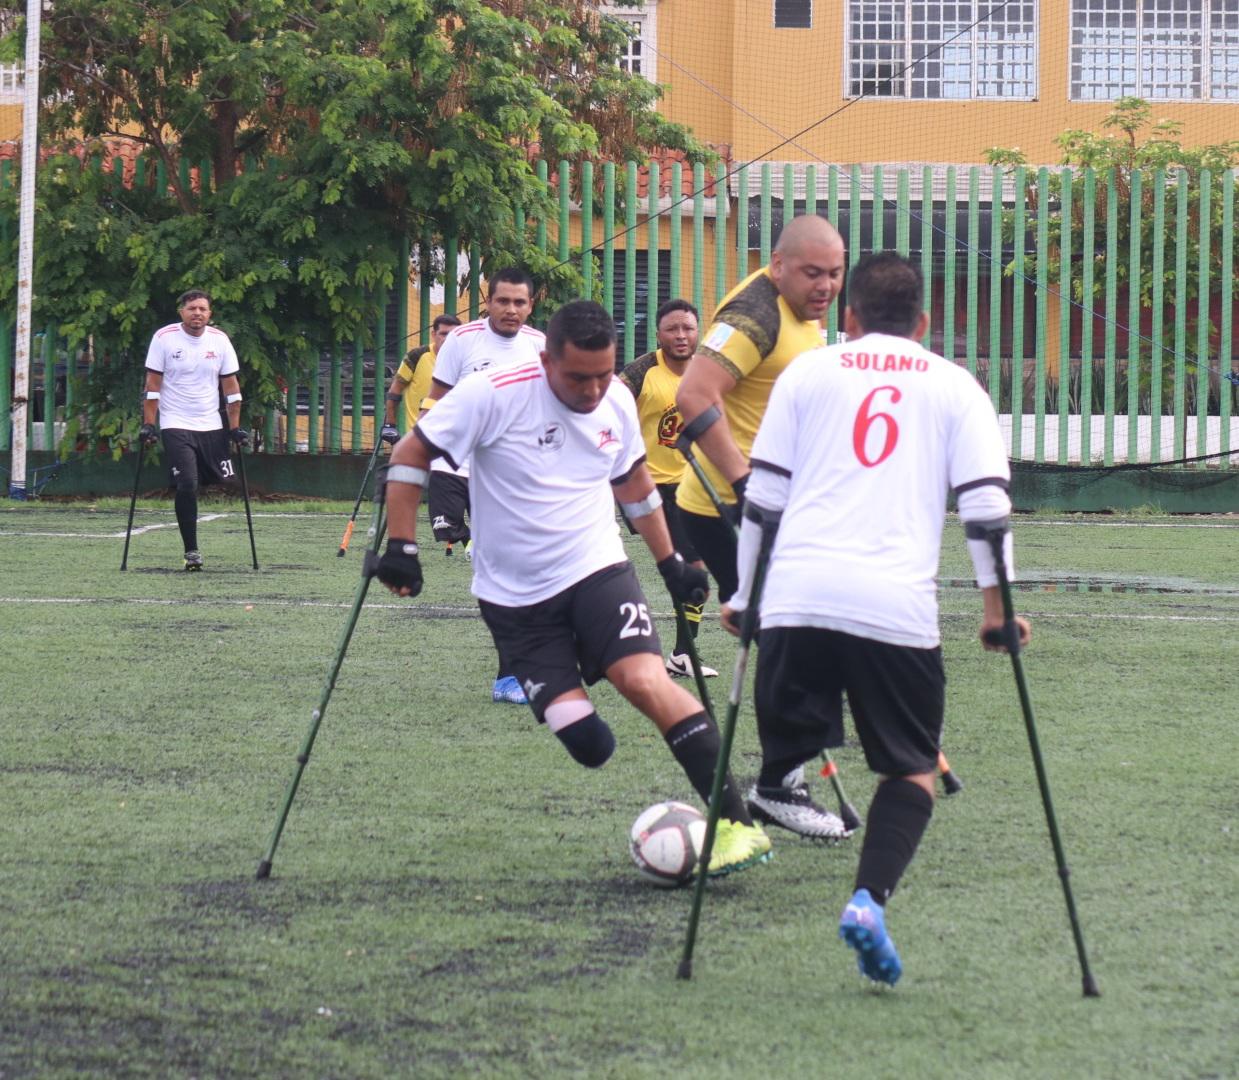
(427, 402)
(699, 425)
(152, 395)
(232, 399)
(642, 507)
(407, 474)
(395, 397)
(979, 534)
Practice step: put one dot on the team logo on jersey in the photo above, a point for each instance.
(605, 439)
(669, 426)
(210, 354)
(177, 356)
(552, 438)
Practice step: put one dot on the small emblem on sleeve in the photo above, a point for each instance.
(718, 336)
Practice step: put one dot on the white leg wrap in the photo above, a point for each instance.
(562, 713)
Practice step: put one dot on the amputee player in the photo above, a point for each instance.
(189, 364)
(554, 443)
(411, 382)
(760, 327)
(498, 339)
(653, 379)
(857, 451)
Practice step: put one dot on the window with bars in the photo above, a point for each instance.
(793, 14)
(1184, 50)
(638, 55)
(962, 50)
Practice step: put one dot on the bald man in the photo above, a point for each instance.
(760, 327)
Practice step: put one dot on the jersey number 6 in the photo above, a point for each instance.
(866, 419)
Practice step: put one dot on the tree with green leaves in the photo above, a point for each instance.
(1138, 154)
(293, 148)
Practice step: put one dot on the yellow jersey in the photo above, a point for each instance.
(754, 335)
(415, 369)
(653, 384)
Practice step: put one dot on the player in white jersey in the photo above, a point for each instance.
(553, 443)
(852, 464)
(500, 339)
(188, 365)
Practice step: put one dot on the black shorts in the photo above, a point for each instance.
(198, 458)
(552, 646)
(447, 502)
(714, 541)
(675, 524)
(897, 695)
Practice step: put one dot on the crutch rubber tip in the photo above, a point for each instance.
(264, 870)
(341, 553)
(1090, 987)
(951, 783)
(851, 819)
(685, 970)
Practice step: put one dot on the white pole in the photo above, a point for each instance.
(25, 251)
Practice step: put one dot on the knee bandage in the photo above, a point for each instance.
(583, 732)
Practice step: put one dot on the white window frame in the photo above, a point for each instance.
(646, 18)
(1212, 13)
(974, 45)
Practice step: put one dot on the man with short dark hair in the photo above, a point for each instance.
(554, 443)
(188, 366)
(653, 379)
(499, 339)
(852, 464)
(412, 379)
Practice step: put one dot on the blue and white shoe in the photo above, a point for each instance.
(509, 691)
(863, 927)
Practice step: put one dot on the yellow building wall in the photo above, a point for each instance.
(792, 81)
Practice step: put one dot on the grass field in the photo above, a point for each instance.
(452, 896)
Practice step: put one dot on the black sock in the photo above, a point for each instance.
(186, 506)
(897, 818)
(773, 773)
(692, 620)
(695, 742)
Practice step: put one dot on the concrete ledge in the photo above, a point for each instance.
(339, 476)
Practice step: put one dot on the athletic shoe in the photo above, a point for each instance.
(508, 690)
(791, 807)
(469, 550)
(679, 666)
(737, 847)
(193, 560)
(863, 927)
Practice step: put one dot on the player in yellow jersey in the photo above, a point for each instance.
(653, 379)
(760, 327)
(411, 382)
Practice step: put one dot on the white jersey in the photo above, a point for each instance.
(863, 441)
(191, 368)
(543, 513)
(476, 347)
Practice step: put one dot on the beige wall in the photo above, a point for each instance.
(792, 79)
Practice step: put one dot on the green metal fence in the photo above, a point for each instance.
(1029, 283)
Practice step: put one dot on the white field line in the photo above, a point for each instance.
(137, 531)
(458, 611)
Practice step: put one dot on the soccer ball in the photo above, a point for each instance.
(666, 842)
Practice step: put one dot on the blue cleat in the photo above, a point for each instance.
(863, 927)
(508, 691)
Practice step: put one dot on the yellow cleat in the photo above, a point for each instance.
(737, 847)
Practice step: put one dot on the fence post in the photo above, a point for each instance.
(1135, 269)
(720, 233)
(651, 257)
(995, 292)
(1158, 330)
(1041, 340)
(358, 408)
(1064, 316)
(1020, 242)
(675, 229)
(608, 235)
(1204, 233)
(1180, 314)
(949, 269)
(927, 250)
(1088, 239)
(974, 269)
(335, 403)
(587, 230)
(1226, 340)
(1112, 297)
(630, 261)
(699, 235)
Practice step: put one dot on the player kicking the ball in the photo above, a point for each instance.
(553, 445)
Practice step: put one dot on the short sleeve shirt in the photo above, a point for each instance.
(476, 347)
(872, 435)
(654, 384)
(754, 336)
(191, 368)
(543, 513)
(415, 370)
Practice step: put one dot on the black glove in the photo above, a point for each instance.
(399, 566)
(686, 584)
(734, 512)
(390, 434)
(239, 436)
(149, 434)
